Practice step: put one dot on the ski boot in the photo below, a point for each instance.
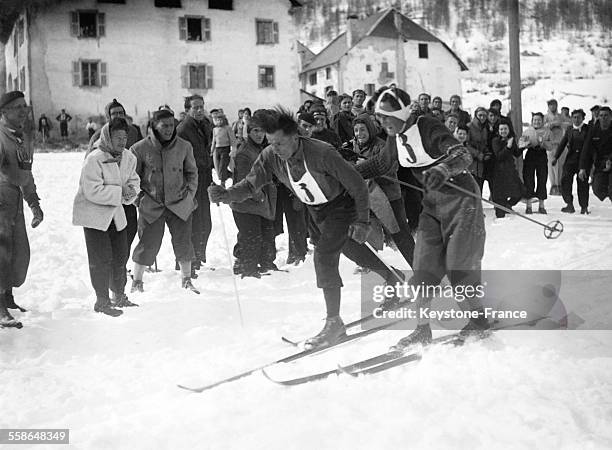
(103, 305)
(10, 302)
(186, 284)
(542, 210)
(479, 328)
(137, 286)
(584, 210)
(421, 335)
(568, 209)
(333, 331)
(121, 301)
(251, 274)
(268, 267)
(393, 302)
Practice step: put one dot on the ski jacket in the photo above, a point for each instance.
(168, 177)
(573, 139)
(597, 148)
(12, 175)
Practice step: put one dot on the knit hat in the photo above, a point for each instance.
(9, 97)
(111, 105)
(163, 112)
(318, 108)
(307, 117)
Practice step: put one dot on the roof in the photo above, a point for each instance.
(381, 24)
(307, 53)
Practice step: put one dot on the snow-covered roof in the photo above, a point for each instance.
(381, 24)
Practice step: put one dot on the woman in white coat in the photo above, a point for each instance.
(108, 180)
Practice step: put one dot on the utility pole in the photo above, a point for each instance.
(515, 66)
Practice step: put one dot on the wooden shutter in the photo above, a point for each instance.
(185, 77)
(275, 25)
(101, 25)
(182, 28)
(206, 31)
(209, 77)
(74, 23)
(76, 73)
(103, 77)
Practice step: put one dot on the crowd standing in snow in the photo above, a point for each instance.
(332, 173)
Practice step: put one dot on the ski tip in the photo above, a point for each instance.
(188, 388)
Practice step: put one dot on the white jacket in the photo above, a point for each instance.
(100, 196)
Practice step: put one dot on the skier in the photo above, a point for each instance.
(451, 234)
(336, 197)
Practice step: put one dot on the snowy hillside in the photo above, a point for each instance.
(565, 46)
(112, 381)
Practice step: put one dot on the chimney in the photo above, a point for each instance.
(351, 29)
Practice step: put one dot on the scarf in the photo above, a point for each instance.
(106, 145)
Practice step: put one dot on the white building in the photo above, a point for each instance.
(381, 49)
(79, 55)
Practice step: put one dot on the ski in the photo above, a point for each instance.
(349, 325)
(390, 359)
(358, 367)
(294, 357)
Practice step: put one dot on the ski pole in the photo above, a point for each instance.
(552, 230)
(388, 266)
(229, 259)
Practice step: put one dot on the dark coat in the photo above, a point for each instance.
(505, 179)
(478, 138)
(597, 148)
(573, 139)
(263, 202)
(342, 124)
(199, 135)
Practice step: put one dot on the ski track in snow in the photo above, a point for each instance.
(112, 381)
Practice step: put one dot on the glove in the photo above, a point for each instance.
(218, 194)
(128, 192)
(582, 174)
(359, 231)
(38, 215)
(434, 178)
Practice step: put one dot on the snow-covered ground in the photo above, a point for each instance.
(112, 381)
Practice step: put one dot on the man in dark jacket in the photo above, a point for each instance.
(168, 183)
(16, 185)
(255, 248)
(597, 153)
(321, 130)
(336, 197)
(573, 139)
(197, 130)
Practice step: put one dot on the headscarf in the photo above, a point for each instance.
(105, 144)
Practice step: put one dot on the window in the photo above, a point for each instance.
(87, 24)
(267, 31)
(168, 3)
(221, 4)
(194, 29)
(368, 67)
(327, 73)
(88, 73)
(22, 83)
(312, 78)
(197, 76)
(369, 89)
(384, 69)
(21, 32)
(266, 76)
(423, 51)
